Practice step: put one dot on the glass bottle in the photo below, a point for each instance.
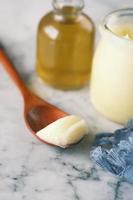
(65, 45)
(112, 71)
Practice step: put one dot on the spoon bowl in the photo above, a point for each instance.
(41, 115)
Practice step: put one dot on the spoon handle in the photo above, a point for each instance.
(7, 64)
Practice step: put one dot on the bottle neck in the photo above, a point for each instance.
(67, 10)
(68, 5)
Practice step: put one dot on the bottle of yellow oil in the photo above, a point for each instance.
(65, 43)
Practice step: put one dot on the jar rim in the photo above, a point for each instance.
(104, 25)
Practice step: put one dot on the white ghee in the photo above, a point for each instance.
(112, 74)
(64, 132)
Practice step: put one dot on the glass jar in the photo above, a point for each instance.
(112, 73)
(65, 45)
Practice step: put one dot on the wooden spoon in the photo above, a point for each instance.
(37, 112)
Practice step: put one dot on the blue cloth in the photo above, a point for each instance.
(114, 152)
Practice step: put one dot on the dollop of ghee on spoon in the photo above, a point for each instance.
(65, 131)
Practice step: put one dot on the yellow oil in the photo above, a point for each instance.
(64, 48)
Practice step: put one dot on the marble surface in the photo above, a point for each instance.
(28, 168)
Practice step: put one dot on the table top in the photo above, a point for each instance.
(28, 168)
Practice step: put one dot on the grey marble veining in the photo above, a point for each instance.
(28, 168)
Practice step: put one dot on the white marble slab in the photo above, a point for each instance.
(30, 170)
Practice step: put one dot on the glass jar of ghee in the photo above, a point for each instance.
(112, 73)
(65, 45)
